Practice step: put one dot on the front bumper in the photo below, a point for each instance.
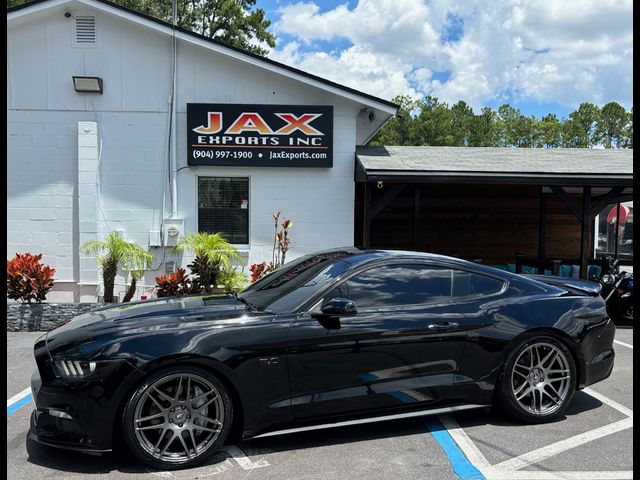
(89, 410)
(59, 433)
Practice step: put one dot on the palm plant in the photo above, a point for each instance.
(213, 254)
(114, 251)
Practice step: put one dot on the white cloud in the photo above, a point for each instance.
(554, 52)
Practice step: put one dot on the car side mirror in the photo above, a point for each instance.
(339, 307)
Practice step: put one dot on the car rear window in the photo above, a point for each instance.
(467, 284)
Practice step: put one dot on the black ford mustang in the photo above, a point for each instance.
(332, 338)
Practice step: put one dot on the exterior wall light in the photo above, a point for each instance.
(87, 84)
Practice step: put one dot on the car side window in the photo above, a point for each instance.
(467, 284)
(393, 285)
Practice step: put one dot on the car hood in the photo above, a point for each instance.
(88, 331)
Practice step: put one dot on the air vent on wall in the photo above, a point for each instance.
(85, 30)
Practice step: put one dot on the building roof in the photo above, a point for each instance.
(184, 34)
(569, 165)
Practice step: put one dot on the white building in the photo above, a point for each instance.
(83, 164)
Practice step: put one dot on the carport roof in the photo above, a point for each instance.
(559, 166)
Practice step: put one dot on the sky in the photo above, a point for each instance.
(541, 56)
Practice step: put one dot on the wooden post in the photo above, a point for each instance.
(416, 217)
(542, 226)
(366, 217)
(586, 233)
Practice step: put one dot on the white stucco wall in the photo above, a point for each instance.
(131, 116)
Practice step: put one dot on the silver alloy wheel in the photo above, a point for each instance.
(186, 407)
(541, 378)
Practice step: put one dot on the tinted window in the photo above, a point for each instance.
(282, 281)
(223, 207)
(391, 285)
(466, 284)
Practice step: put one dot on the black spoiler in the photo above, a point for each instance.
(585, 286)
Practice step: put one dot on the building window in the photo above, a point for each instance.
(223, 207)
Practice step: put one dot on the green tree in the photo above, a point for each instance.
(434, 124)
(213, 256)
(400, 130)
(461, 122)
(112, 252)
(517, 130)
(627, 135)
(581, 126)
(234, 22)
(550, 131)
(611, 124)
(484, 130)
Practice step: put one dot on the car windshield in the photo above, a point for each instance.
(287, 278)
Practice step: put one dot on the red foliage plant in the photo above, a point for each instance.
(28, 279)
(258, 270)
(175, 284)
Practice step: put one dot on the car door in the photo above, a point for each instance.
(402, 347)
(479, 297)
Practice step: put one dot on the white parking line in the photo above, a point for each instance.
(18, 396)
(554, 449)
(623, 344)
(612, 403)
(464, 442)
(238, 455)
(492, 473)
(510, 469)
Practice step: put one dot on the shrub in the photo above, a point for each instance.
(175, 284)
(281, 245)
(213, 255)
(117, 251)
(28, 279)
(232, 280)
(258, 270)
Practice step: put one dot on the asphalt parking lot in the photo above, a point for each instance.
(593, 441)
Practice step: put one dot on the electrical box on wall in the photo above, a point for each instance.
(154, 238)
(172, 229)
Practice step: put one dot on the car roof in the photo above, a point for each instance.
(356, 256)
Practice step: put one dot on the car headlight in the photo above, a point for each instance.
(75, 368)
(84, 369)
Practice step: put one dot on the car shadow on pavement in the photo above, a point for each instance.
(122, 460)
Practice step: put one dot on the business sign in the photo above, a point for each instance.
(260, 135)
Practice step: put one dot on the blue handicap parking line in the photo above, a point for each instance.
(462, 467)
(19, 404)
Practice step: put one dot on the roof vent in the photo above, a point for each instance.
(85, 30)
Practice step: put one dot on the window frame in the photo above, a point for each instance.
(240, 246)
(468, 298)
(312, 305)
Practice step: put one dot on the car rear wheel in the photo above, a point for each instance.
(538, 380)
(177, 418)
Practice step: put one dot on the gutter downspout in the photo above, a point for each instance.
(174, 166)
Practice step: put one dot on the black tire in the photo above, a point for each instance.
(141, 441)
(506, 399)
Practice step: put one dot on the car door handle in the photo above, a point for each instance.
(443, 326)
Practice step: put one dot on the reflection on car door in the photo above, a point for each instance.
(403, 346)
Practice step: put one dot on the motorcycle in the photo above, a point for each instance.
(617, 291)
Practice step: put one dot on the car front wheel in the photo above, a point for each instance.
(538, 380)
(177, 418)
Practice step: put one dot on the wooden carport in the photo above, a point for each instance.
(535, 194)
